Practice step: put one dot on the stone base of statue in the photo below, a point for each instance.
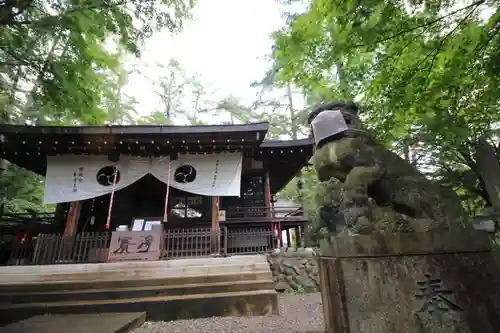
(433, 282)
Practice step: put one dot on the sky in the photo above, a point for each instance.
(225, 43)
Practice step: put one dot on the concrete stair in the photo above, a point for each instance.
(165, 290)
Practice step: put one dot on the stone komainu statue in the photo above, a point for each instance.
(364, 187)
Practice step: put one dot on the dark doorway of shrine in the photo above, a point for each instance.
(145, 199)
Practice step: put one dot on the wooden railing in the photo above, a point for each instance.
(92, 247)
(285, 215)
(245, 241)
(51, 249)
(86, 247)
(234, 215)
(194, 242)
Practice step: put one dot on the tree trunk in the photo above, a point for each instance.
(294, 131)
(195, 109)
(342, 84)
(28, 110)
(169, 96)
(12, 96)
(488, 167)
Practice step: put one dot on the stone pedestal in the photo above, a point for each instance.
(437, 282)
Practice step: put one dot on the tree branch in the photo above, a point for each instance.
(11, 9)
(435, 51)
(439, 47)
(49, 18)
(20, 60)
(402, 32)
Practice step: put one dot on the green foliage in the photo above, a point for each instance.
(182, 95)
(121, 109)
(54, 58)
(426, 73)
(60, 64)
(154, 118)
(306, 196)
(237, 112)
(297, 290)
(21, 191)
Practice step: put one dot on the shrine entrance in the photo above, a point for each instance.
(145, 199)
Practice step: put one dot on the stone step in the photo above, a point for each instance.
(243, 260)
(8, 298)
(141, 273)
(159, 308)
(79, 323)
(131, 283)
(75, 285)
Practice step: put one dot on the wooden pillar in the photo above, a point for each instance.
(215, 213)
(267, 194)
(215, 239)
(298, 238)
(270, 213)
(288, 239)
(70, 227)
(60, 216)
(302, 235)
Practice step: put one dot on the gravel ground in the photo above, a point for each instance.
(298, 313)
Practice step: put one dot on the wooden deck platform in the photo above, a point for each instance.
(78, 323)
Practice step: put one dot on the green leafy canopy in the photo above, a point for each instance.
(425, 72)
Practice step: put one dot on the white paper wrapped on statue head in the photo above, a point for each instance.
(77, 177)
(327, 124)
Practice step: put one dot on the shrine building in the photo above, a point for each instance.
(192, 180)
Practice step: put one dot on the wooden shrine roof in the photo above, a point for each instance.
(98, 139)
(28, 146)
(285, 159)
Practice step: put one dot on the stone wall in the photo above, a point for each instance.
(294, 270)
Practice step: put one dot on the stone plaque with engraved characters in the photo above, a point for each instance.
(135, 245)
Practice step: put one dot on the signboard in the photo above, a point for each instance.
(136, 245)
(138, 225)
(150, 225)
(222, 215)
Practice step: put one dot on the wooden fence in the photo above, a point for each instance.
(194, 242)
(254, 240)
(93, 247)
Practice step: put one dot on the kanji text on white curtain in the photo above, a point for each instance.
(80, 177)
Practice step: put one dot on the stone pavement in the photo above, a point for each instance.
(78, 323)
